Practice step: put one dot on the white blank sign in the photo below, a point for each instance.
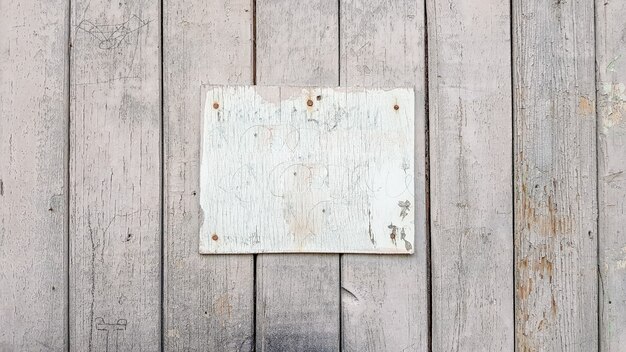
(324, 170)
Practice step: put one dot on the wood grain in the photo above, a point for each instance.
(33, 175)
(385, 299)
(611, 94)
(297, 295)
(470, 175)
(115, 172)
(555, 176)
(208, 300)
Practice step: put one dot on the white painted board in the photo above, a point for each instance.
(325, 170)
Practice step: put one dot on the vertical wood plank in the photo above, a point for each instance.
(384, 298)
(208, 299)
(611, 93)
(33, 182)
(470, 175)
(115, 232)
(297, 295)
(555, 176)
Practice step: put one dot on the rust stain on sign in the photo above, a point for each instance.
(283, 170)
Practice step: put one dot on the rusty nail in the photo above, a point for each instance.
(214, 237)
(396, 107)
(309, 102)
(216, 105)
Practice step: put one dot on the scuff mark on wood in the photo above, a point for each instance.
(56, 202)
(612, 104)
(621, 263)
(614, 177)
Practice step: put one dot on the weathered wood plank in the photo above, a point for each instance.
(555, 176)
(470, 175)
(208, 300)
(384, 299)
(33, 170)
(115, 232)
(297, 295)
(611, 94)
(307, 170)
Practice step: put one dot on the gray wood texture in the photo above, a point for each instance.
(298, 304)
(470, 175)
(385, 299)
(527, 243)
(555, 176)
(115, 173)
(208, 300)
(611, 95)
(33, 175)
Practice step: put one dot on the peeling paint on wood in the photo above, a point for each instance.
(307, 170)
(555, 176)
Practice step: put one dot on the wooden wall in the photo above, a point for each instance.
(522, 245)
